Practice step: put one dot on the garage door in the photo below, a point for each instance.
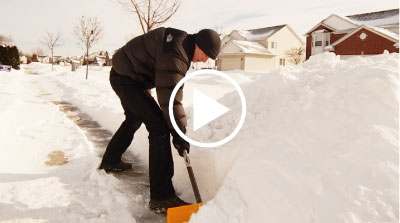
(230, 63)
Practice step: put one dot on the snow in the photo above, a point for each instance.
(339, 22)
(262, 36)
(319, 144)
(258, 34)
(392, 18)
(251, 47)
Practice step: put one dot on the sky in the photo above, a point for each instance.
(27, 21)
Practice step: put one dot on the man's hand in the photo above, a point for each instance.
(179, 143)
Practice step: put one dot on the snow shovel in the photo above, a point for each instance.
(182, 214)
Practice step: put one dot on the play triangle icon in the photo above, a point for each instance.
(205, 109)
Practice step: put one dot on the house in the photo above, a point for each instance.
(23, 59)
(43, 59)
(101, 58)
(258, 50)
(362, 34)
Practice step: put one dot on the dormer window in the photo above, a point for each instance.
(274, 45)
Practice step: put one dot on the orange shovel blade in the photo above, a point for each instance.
(182, 214)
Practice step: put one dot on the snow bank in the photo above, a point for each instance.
(320, 144)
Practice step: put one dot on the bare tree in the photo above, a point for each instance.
(88, 32)
(6, 40)
(151, 13)
(51, 41)
(38, 51)
(295, 54)
(219, 29)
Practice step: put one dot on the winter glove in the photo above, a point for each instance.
(179, 143)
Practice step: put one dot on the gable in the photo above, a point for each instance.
(364, 41)
(225, 40)
(230, 47)
(382, 33)
(237, 35)
(334, 23)
(289, 31)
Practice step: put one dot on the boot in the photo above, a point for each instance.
(161, 206)
(117, 167)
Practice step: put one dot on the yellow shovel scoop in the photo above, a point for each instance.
(182, 214)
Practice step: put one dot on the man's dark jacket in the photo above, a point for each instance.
(160, 59)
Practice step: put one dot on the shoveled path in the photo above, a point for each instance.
(135, 183)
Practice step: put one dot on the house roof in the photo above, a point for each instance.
(385, 18)
(250, 47)
(259, 34)
(336, 24)
(381, 18)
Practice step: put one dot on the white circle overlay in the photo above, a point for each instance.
(242, 99)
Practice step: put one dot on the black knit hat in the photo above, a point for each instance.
(209, 42)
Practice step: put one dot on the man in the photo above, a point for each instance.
(157, 59)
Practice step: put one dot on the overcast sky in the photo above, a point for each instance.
(26, 21)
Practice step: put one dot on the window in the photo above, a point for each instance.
(320, 38)
(282, 62)
(274, 45)
(318, 43)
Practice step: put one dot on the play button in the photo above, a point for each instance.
(205, 109)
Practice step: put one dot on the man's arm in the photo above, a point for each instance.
(168, 74)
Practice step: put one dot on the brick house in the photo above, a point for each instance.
(361, 34)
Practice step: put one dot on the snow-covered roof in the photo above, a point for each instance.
(259, 34)
(381, 18)
(248, 47)
(336, 22)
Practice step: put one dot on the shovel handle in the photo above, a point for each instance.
(191, 176)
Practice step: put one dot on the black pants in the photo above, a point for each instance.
(140, 107)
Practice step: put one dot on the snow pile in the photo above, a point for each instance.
(320, 144)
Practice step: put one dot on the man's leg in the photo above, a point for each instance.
(122, 138)
(161, 166)
(140, 107)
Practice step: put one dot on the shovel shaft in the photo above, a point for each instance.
(192, 179)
